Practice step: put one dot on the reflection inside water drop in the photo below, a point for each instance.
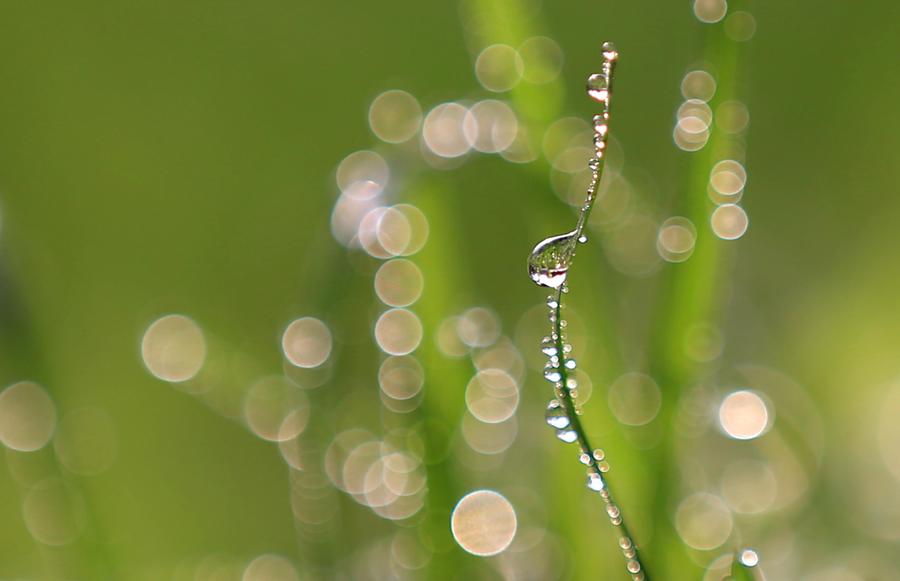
(548, 263)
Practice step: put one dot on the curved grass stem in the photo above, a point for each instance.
(593, 458)
(548, 265)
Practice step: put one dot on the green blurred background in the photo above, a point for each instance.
(163, 157)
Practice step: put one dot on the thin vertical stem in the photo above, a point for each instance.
(549, 264)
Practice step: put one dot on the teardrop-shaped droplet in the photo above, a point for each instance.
(598, 87)
(556, 415)
(549, 262)
(595, 482)
(567, 435)
(552, 375)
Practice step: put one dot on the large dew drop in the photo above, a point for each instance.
(548, 263)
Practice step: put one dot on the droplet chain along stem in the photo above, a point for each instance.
(593, 458)
(549, 262)
(599, 87)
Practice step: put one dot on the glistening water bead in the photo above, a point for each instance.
(549, 262)
(556, 415)
(749, 558)
(595, 482)
(552, 375)
(568, 435)
(598, 87)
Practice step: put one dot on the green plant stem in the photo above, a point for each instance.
(567, 400)
(689, 294)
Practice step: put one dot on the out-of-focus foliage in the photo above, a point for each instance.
(264, 312)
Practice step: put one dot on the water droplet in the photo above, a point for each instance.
(552, 375)
(609, 52)
(570, 364)
(749, 558)
(595, 482)
(549, 262)
(625, 543)
(633, 566)
(568, 435)
(598, 87)
(550, 350)
(556, 416)
(582, 238)
(585, 459)
(599, 455)
(603, 466)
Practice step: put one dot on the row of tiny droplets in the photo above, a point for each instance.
(556, 348)
(599, 88)
(556, 371)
